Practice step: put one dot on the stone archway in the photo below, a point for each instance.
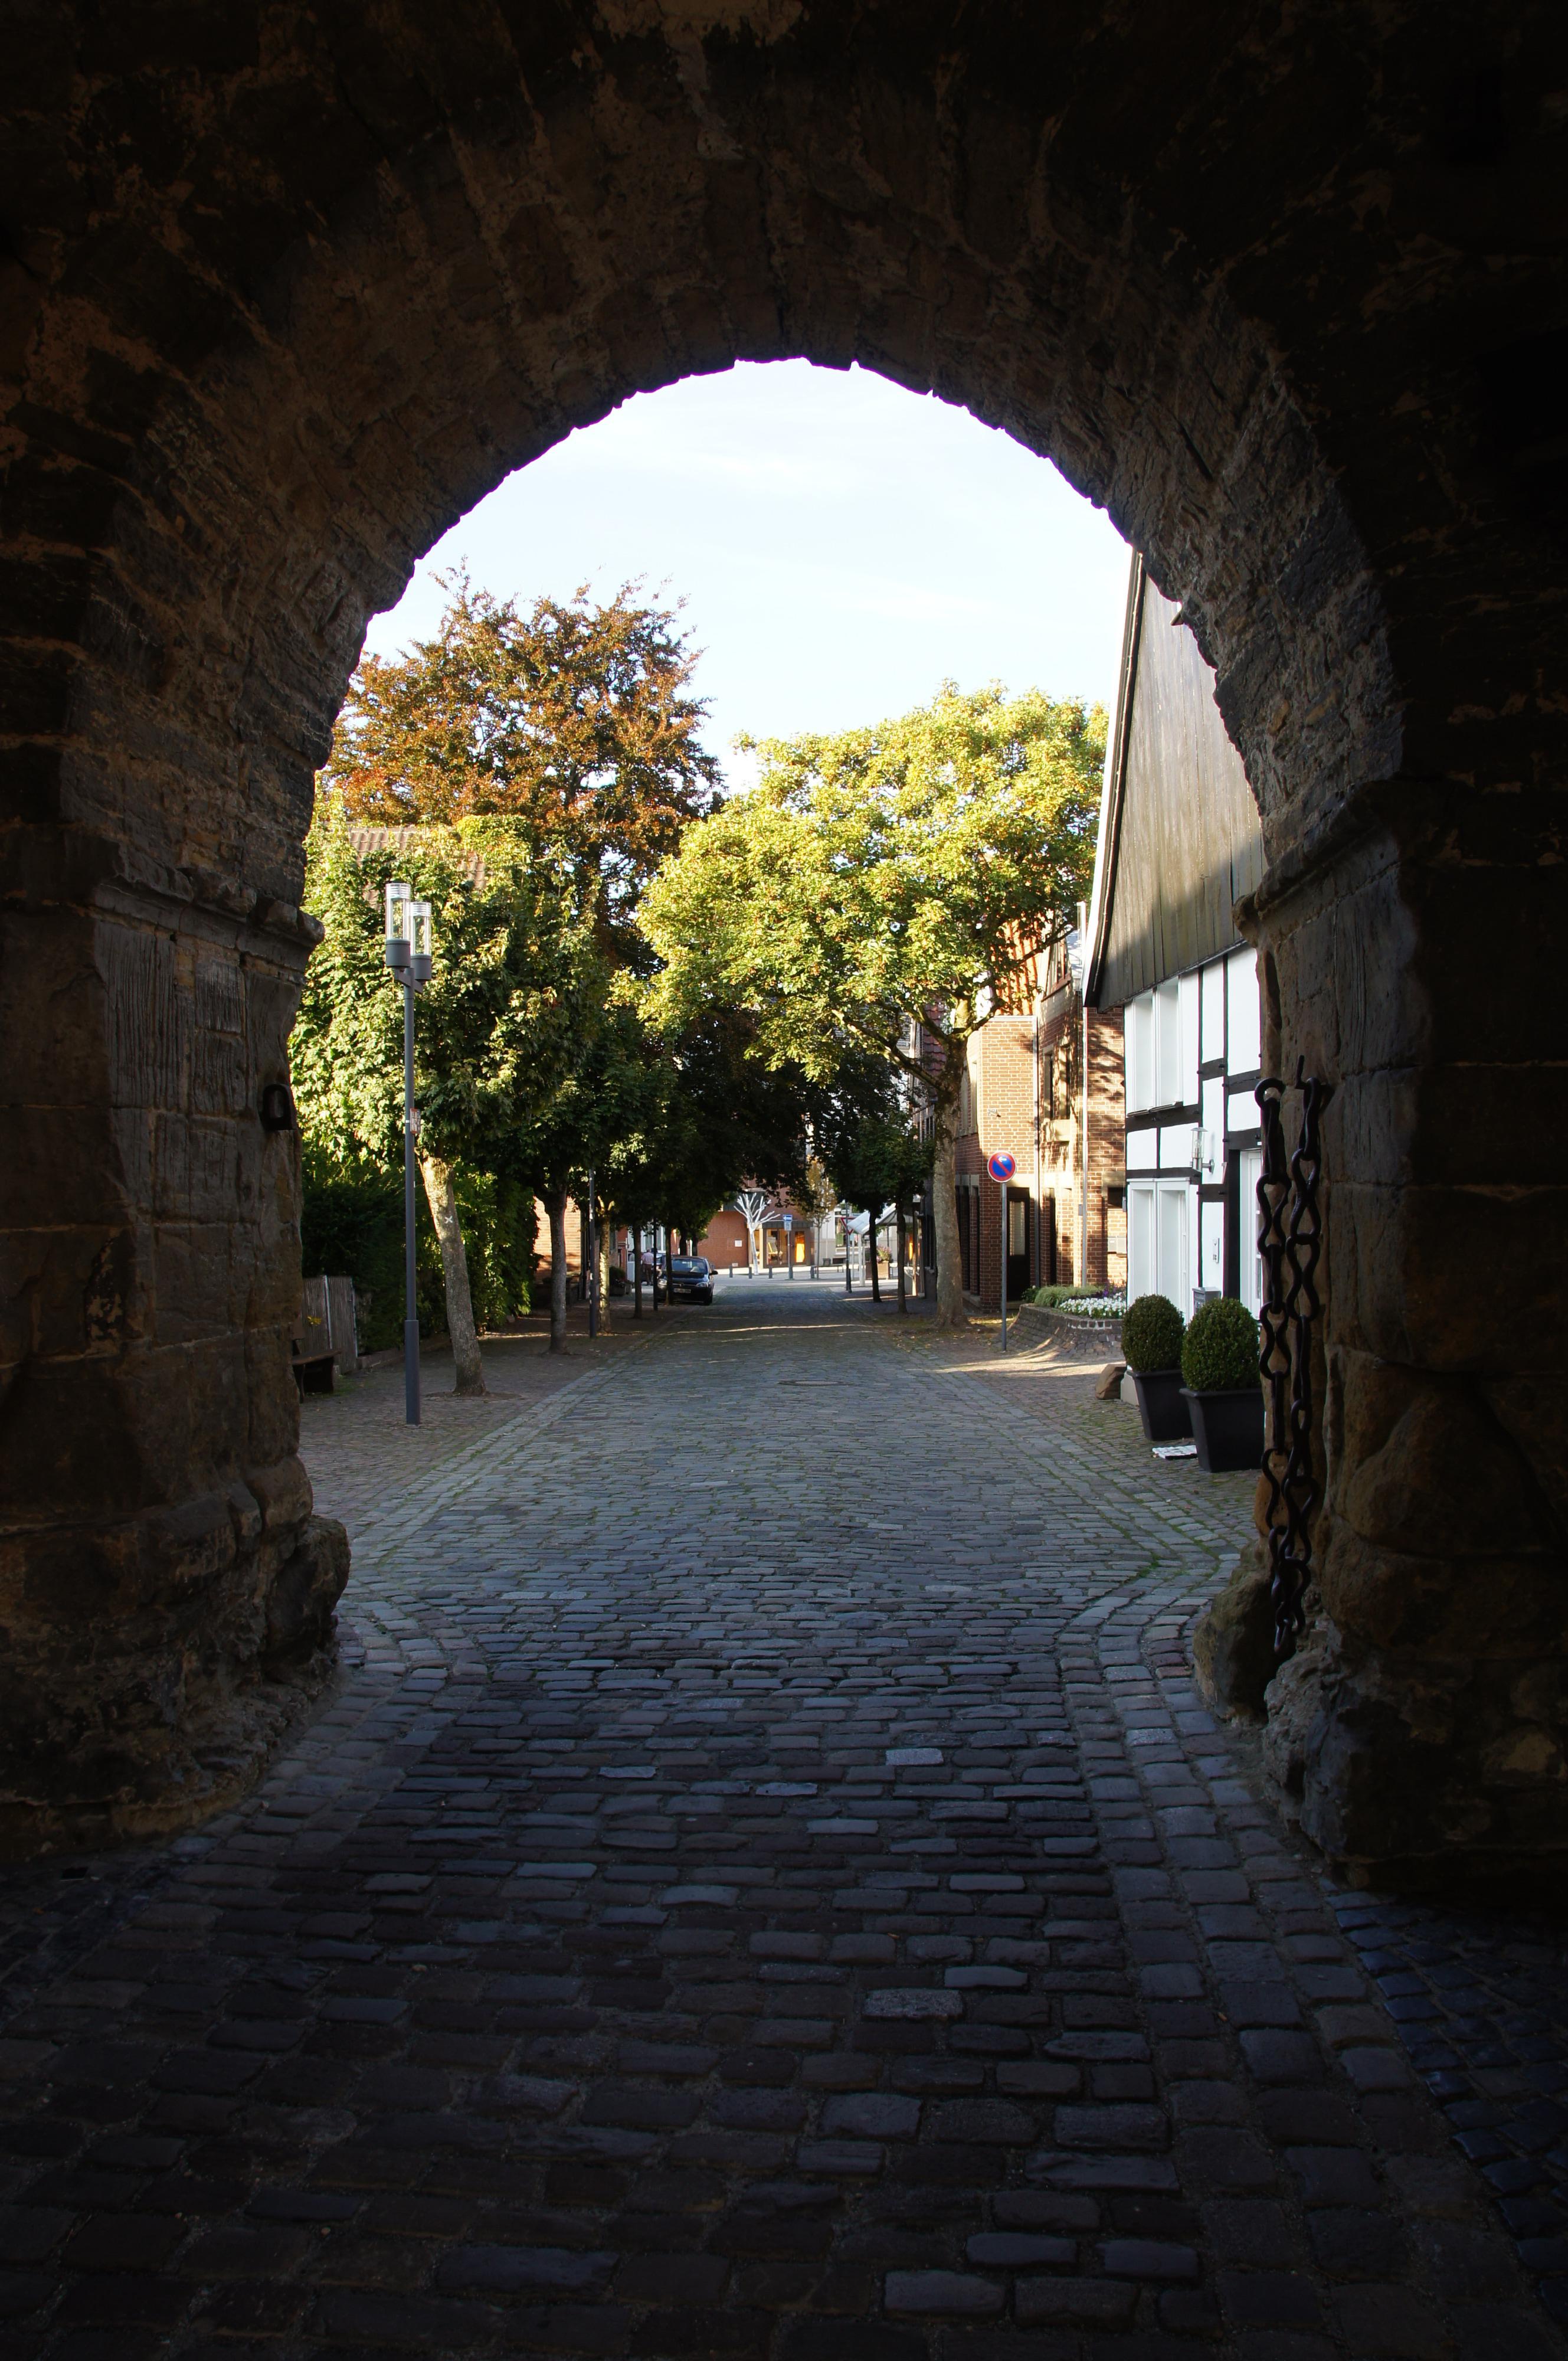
(287, 294)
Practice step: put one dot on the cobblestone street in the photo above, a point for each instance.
(764, 1886)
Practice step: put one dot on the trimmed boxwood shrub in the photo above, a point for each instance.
(1151, 1334)
(1218, 1354)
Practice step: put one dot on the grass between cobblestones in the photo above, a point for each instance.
(764, 1886)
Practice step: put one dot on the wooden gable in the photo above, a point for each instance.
(1180, 838)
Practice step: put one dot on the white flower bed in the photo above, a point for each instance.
(1093, 1307)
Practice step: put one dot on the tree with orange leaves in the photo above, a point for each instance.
(572, 718)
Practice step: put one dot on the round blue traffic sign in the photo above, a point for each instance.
(1002, 1167)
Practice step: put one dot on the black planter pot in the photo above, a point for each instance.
(1227, 1429)
(1162, 1405)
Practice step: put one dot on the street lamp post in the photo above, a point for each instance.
(410, 956)
(848, 1288)
(593, 1264)
(789, 1246)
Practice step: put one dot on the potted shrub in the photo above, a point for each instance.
(1151, 1346)
(1222, 1389)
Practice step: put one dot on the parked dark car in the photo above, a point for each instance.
(692, 1277)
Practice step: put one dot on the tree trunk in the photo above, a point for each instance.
(903, 1290)
(601, 1259)
(874, 1214)
(950, 1312)
(556, 1204)
(442, 1191)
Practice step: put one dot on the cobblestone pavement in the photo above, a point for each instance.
(362, 1451)
(764, 1886)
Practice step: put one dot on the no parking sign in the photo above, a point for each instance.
(1002, 1167)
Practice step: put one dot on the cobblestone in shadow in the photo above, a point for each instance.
(765, 1886)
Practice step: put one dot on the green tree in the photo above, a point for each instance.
(869, 1137)
(572, 723)
(722, 1116)
(882, 880)
(497, 1030)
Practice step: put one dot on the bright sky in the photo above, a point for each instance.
(842, 546)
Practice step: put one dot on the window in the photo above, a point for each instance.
(1213, 981)
(1139, 1032)
(1168, 1044)
(1245, 1028)
(1249, 1170)
(1189, 992)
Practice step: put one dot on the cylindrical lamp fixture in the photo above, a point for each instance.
(400, 902)
(424, 941)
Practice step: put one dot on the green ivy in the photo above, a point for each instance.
(352, 1221)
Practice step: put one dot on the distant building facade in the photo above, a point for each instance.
(1021, 1091)
(1179, 845)
(783, 1235)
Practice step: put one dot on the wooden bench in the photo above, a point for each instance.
(325, 1335)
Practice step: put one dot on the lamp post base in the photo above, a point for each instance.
(411, 1372)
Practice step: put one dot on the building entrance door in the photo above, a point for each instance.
(1018, 1275)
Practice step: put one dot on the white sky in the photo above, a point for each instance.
(842, 546)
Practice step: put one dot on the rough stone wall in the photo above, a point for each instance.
(285, 293)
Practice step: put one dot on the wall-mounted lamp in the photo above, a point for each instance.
(276, 1108)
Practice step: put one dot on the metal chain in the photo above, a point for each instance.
(1289, 1242)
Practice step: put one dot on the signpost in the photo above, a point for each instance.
(1002, 1167)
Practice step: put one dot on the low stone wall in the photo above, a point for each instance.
(1093, 1339)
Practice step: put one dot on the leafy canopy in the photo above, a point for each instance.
(867, 1137)
(906, 871)
(571, 719)
(499, 1030)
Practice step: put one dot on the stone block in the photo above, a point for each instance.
(304, 1593)
(1422, 1466)
(1232, 1642)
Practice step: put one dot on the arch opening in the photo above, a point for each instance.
(248, 395)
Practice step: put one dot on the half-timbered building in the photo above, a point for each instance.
(1180, 845)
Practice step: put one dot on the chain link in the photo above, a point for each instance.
(1289, 1242)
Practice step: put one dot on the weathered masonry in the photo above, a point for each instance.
(286, 291)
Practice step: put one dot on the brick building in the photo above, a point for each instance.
(1021, 1092)
(1082, 1242)
(784, 1235)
